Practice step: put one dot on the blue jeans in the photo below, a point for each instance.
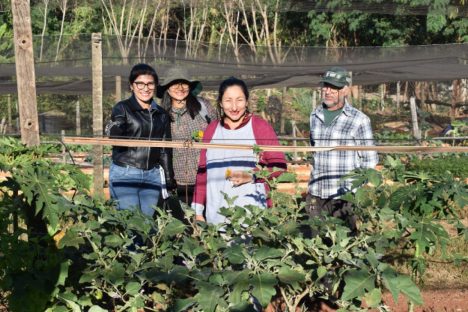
(135, 188)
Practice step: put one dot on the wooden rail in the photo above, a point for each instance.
(199, 145)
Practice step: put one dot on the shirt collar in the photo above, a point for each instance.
(245, 120)
(179, 111)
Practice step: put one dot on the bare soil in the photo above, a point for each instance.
(436, 300)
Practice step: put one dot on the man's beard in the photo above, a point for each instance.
(334, 103)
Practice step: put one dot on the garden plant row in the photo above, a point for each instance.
(78, 253)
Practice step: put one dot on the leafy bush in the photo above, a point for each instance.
(451, 164)
(78, 253)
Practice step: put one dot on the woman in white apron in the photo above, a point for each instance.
(229, 172)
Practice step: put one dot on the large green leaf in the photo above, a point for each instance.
(113, 240)
(263, 287)
(239, 292)
(71, 239)
(191, 247)
(174, 227)
(96, 308)
(424, 235)
(357, 282)
(115, 274)
(290, 276)
(182, 305)
(265, 252)
(234, 254)
(209, 297)
(289, 177)
(409, 288)
(132, 288)
(373, 298)
(233, 277)
(397, 283)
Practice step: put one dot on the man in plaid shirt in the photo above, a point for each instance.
(335, 123)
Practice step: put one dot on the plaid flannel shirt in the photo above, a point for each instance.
(350, 128)
(185, 160)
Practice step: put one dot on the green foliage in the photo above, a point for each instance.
(31, 266)
(84, 255)
(387, 136)
(6, 43)
(450, 164)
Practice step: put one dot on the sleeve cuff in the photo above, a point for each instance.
(199, 208)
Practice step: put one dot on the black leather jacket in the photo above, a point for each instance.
(130, 120)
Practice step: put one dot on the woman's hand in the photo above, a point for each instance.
(200, 218)
(240, 177)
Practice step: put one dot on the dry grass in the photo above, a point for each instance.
(442, 272)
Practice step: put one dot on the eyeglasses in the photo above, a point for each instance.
(141, 85)
(331, 88)
(182, 86)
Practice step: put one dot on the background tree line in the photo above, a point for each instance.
(263, 26)
(252, 22)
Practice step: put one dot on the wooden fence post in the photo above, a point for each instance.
(98, 170)
(25, 74)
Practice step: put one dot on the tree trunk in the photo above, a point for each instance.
(414, 119)
(423, 94)
(314, 100)
(405, 93)
(455, 98)
(63, 8)
(44, 27)
(398, 91)
(281, 114)
(382, 96)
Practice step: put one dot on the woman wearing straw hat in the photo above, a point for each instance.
(228, 172)
(190, 114)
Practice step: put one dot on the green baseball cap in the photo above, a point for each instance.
(176, 75)
(336, 76)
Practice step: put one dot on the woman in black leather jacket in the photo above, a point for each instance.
(137, 174)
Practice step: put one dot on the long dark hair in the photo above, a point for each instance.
(191, 102)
